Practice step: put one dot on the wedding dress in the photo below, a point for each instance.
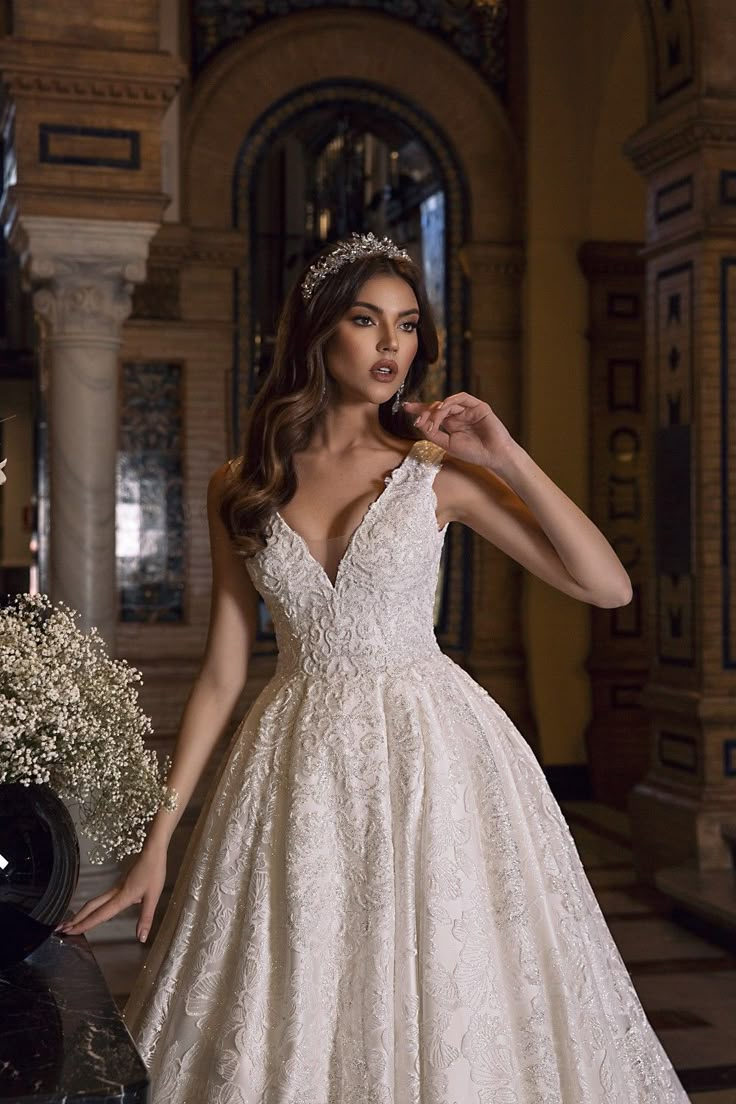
(382, 903)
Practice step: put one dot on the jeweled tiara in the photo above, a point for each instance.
(359, 245)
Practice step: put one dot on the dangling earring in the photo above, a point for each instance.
(396, 404)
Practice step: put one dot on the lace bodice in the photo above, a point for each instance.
(379, 612)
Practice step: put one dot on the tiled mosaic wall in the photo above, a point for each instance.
(150, 493)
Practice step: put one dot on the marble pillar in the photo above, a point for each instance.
(496, 656)
(84, 270)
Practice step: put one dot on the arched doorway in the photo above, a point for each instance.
(331, 160)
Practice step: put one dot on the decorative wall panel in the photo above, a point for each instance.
(678, 751)
(728, 455)
(674, 199)
(671, 35)
(95, 147)
(150, 531)
(673, 347)
(727, 187)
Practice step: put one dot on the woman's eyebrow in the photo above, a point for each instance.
(379, 310)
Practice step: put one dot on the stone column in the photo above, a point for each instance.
(681, 808)
(86, 269)
(496, 656)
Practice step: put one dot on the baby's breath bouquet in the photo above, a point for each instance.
(69, 717)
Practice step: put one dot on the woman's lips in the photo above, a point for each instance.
(390, 369)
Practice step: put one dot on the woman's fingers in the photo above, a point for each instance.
(150, 900)
(462, 398)
(89, 907)
(436, 413)
(442, 407)
(449, 410)
(103, 912)
(444, 416)
(449, 415)
(423, 413)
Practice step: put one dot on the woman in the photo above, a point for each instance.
(381, 901)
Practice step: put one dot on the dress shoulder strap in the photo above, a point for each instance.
(428, 457)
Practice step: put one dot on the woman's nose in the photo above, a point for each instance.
(389, 341)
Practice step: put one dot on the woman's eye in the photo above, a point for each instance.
(366, 319)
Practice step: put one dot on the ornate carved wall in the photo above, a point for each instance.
(687, 152)
(617, 739)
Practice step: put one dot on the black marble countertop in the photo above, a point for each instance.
(62, 1038)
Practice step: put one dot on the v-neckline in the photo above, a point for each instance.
(388, 480)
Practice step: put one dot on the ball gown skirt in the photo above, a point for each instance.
(382, 902)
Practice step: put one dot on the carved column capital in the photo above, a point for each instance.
(84, 302)
(84, 270)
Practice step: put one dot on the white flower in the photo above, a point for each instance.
(69, 717)
(3, 476)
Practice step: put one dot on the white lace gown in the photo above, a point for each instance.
(382, 903)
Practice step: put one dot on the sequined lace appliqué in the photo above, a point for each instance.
(381, 902)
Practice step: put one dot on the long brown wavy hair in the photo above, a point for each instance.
(296, 392)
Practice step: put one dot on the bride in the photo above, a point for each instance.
(381, 901)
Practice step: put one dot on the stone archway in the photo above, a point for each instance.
(379, 102)
(248, 77)
(308, 49)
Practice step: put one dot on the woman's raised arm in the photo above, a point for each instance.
(492, 485)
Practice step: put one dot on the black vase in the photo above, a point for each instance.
(39, 867)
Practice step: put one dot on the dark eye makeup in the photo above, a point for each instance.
(367, 318)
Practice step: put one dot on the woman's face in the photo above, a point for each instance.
(375, 342)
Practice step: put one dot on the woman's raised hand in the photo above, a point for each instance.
(465, 427)
(141, 885)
